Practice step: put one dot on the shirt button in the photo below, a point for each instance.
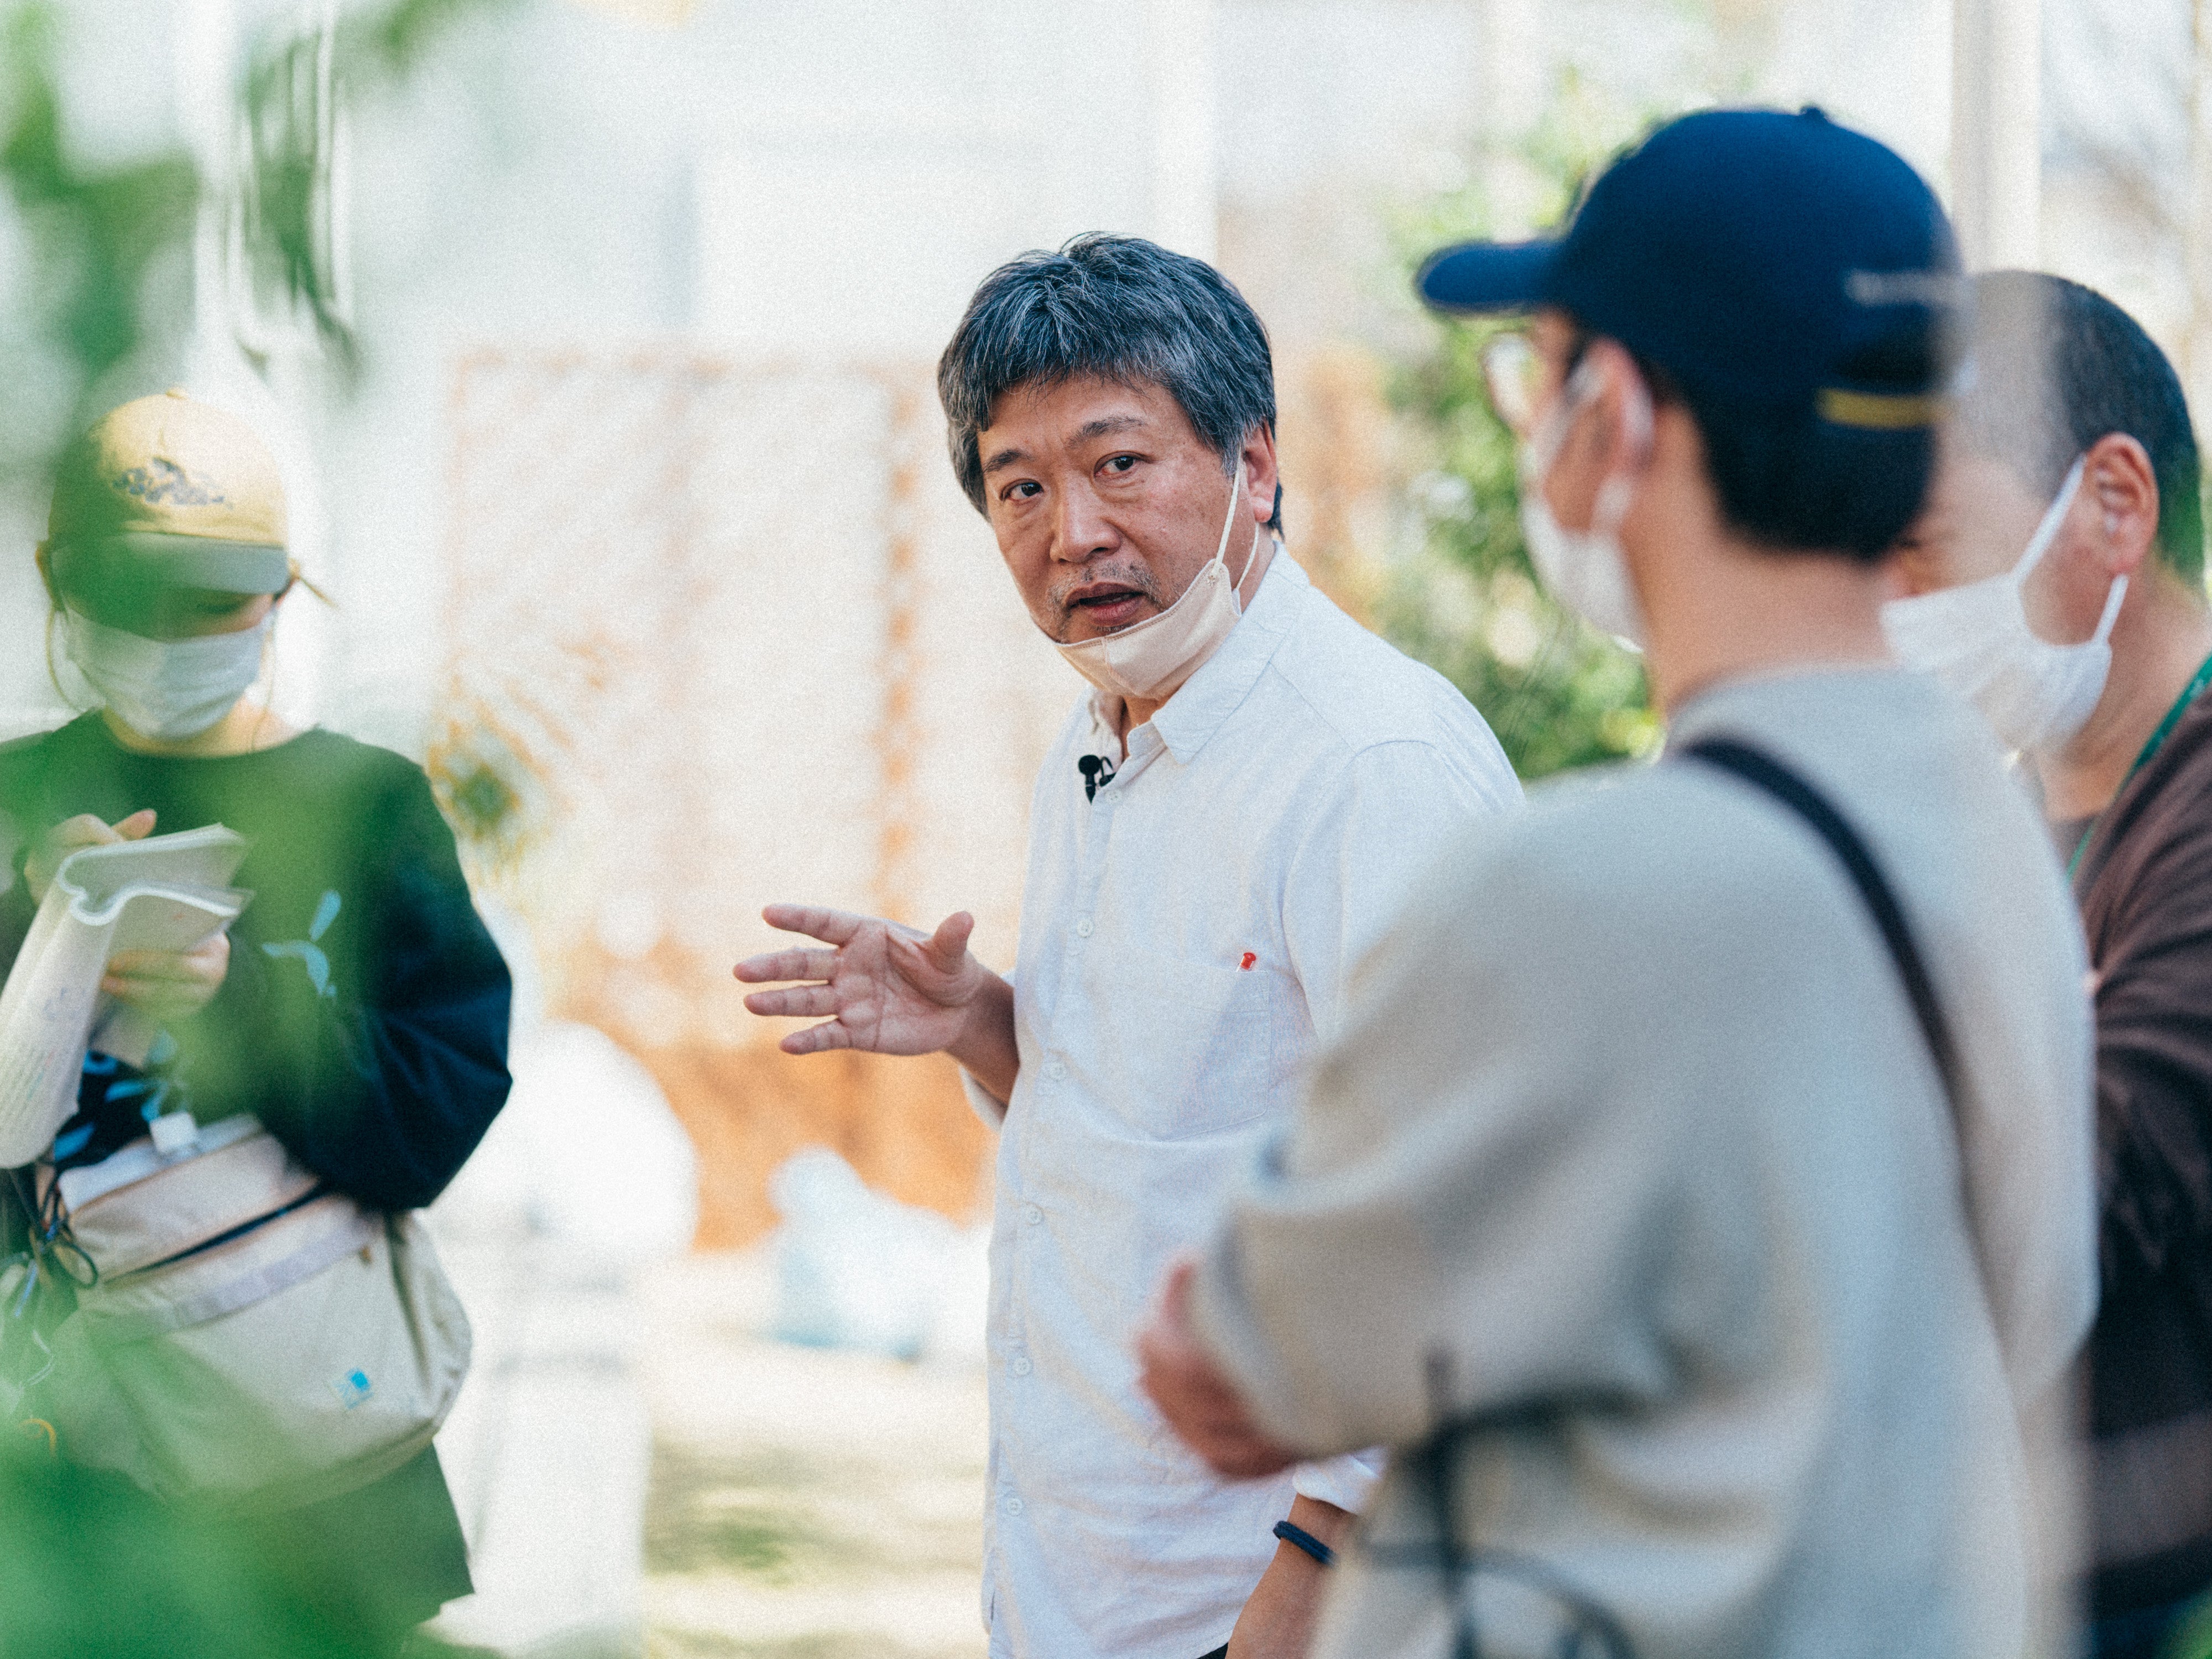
(1031, 1214)
(1082, 929)
(1022, 1368)
(1013, 1506)
(1056, 1071)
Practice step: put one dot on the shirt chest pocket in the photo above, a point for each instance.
(1180, 1049)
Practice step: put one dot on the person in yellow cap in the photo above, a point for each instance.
(166, 577)
(358, 1008)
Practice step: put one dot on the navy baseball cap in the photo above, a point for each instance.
(1774, 262)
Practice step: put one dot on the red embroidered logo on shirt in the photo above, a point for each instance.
(1250, 956)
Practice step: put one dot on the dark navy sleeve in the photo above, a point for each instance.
(374, 1046)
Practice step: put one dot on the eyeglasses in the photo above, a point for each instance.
(1515, 375)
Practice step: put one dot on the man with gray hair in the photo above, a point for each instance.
(1228, 820)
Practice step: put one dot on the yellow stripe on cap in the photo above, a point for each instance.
(1880, 411)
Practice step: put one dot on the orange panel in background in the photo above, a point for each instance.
(724, 633)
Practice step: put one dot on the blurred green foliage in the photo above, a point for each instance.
(94, 233)
(91, 1569)
(293, 85)
(2194, 1638)
(108, 246)
(388, 41)
(1466, 600)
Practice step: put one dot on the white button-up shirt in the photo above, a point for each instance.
(1186, 939)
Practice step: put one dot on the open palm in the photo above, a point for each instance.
(880, 987)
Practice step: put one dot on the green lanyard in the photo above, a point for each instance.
(2157, 741)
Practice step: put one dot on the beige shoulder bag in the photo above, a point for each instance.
(244, 1336)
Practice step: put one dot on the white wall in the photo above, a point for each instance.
(831, 178)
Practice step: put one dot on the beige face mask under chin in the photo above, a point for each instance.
(1148, 661)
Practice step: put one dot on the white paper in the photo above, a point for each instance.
(164, 893)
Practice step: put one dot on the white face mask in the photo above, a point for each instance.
(165, 690)
(1976, 639)
(1584, 569)
(1148, 661)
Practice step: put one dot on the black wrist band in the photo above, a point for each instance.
(1299, 1538)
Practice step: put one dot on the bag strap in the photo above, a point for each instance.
(1437, 1456)
(1761, 770)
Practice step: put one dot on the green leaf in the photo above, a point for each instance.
(1465, 599)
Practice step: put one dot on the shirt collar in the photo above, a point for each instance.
(1209, 697)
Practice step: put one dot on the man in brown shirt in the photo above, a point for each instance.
(2058, 580)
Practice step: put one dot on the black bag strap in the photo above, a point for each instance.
(1588, 1622)
(1761, 770)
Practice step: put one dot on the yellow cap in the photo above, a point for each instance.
(169, 491)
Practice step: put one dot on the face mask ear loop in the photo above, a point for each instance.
(1543, 445)
(2104, 633)
(266, 676)
(1250, 554)
(1228, 524)
(53, 668)
(1617, 493)
(2053, 516)
(58, 621)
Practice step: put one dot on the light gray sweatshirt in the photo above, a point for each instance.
(1632, 1151)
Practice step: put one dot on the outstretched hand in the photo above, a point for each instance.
(881, 987)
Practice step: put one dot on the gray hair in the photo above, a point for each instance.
(1121, 309)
